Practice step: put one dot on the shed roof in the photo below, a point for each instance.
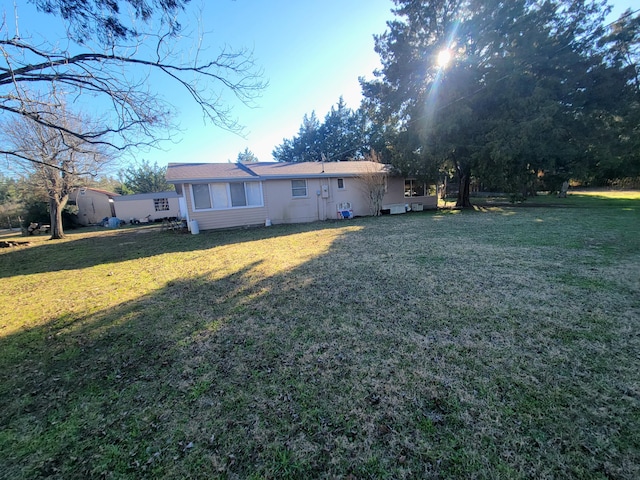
(201, 172)
(97, 190)
(146, 196)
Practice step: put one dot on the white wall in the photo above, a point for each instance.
(128, 208)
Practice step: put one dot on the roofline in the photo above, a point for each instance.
(147, 196)
(98, 190)
(271, 177)
(216, 179)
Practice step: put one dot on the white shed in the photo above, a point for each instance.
(155, 206)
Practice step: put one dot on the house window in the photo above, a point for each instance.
(219, 195)
(201, 197)
(341, 184)
(238, 197)
(414, 188)
(227, 195)
(254, 193)
(161, 204)
(298, 188)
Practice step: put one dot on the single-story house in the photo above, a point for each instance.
(151, 206)
(93, 204)
(224, 195)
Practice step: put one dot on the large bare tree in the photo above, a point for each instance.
(51, 159)
(113, 52)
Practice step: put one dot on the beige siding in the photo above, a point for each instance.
(319, 204)
(228, 218)
(354, 192)
(284, 208)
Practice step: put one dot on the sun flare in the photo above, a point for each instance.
(444, 58)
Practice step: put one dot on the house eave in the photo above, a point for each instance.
(271, 177)
(213, 180)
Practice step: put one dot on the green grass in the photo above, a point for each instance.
(496, 343)
(576, 198)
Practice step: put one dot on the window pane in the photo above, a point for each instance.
(299, 188)
(340, 183)
(219, 193)
(407, 188)
(237, 195)
(413, 188)
(254, 194)
(160, 204)
(201, 198)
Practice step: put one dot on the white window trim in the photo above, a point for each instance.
(306, 188)
(218, 209)
(413, 181)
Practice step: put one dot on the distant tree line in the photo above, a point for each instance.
(27, 196)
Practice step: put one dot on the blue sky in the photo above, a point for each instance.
(312, 52)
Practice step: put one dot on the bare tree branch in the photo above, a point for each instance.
(52, 159)
(117, 75)
(373, 183)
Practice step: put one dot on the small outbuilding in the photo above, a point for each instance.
(147, 206)
(93, 204)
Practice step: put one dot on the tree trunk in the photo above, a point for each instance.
(464, 187)
(463, 169)
(56, 205)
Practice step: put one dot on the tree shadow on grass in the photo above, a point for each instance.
(111, 393)
(86, 249)
(353, 363)
(243, 375)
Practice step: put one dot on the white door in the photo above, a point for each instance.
(182, 204)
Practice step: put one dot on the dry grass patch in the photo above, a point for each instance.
(492, 344)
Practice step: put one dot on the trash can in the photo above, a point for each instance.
(194, 227)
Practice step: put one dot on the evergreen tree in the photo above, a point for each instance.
(343, 135)
(520, 98)
(144, 178)
(247, 156)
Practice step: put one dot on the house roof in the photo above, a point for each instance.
(201, 172)
(146, 196)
